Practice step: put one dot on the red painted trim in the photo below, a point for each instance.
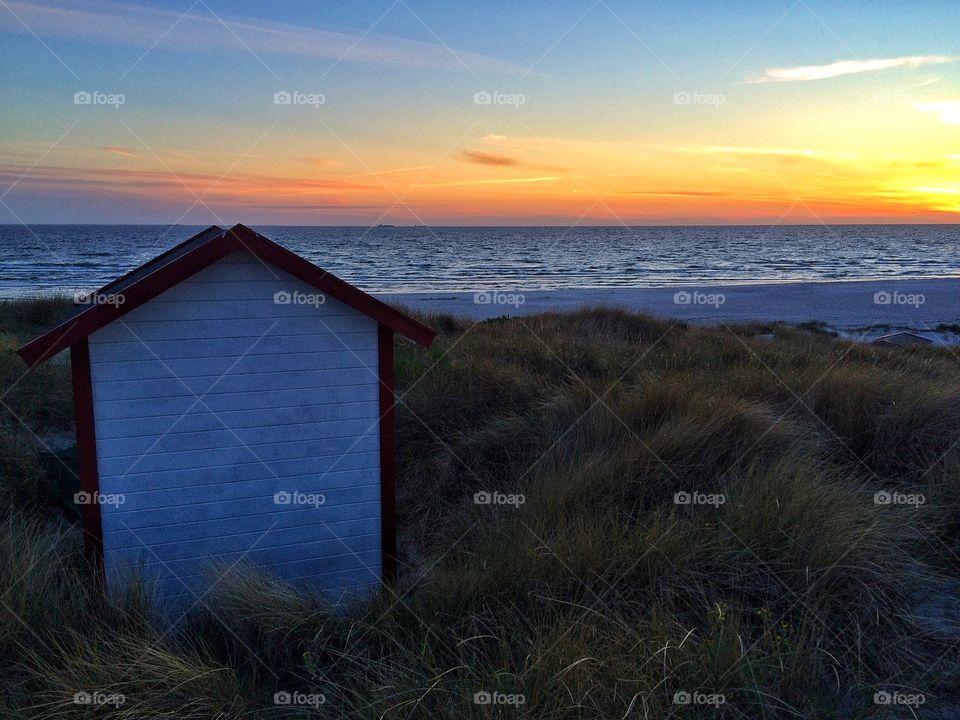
(388, 455)
(175, 271)
(135, 295)
(87, 452)
(114, 283)
(329, 283)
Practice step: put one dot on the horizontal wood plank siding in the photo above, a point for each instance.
(249, 470)
(221, 347)
(230, 384)
(238, 420)
(346, 584)
(220, 403)
(239, 542)
(148, 499)
(215, 367)
(256, 527)
(330, 504)
(179, 440)
(200, 419)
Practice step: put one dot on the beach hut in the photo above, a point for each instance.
(902, 339)
(234, 405)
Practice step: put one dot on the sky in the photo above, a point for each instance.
(401, 112)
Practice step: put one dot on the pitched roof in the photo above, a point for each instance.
(902, 338)
(180, 262)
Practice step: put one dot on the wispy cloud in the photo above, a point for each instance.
(744, 151)
(320, 161)
(393, 171)
(522, 142)
(342, 205)
(847, 67)
(482, 158)
(949, 110)
(200, 31)
(238, 189)
(681, 193)
(123, 152)
(490, 182)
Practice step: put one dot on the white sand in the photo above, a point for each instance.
(852, 308)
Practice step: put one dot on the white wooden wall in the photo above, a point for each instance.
(211, 398)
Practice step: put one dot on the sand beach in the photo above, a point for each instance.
(857, 309)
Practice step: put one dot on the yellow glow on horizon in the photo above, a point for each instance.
(826, 165)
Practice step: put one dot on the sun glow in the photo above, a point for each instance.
(804, 137)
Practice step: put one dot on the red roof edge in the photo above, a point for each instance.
(239, 237)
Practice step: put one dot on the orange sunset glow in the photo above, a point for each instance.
(757, 134)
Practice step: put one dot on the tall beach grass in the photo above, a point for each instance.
(688, 514)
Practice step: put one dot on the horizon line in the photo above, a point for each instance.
(414, 227)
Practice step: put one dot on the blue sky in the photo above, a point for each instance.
(599, 82)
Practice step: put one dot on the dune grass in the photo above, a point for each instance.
(790, 591)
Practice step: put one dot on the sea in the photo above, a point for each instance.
(40, 259)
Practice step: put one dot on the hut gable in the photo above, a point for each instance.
(902, 339)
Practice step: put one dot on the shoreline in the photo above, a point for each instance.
(864, 309)
(855, 309)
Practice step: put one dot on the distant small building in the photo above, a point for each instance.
(234, 403)
(902, 339)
